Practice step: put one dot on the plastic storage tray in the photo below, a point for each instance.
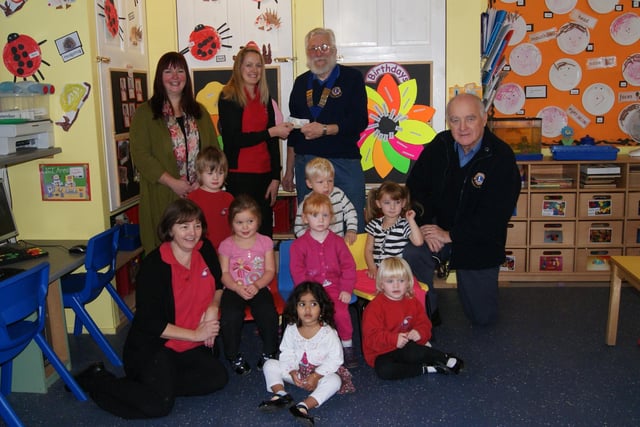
(584, 152)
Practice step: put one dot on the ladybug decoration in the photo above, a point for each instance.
(111, 19)
(206, 41)
(22, 56)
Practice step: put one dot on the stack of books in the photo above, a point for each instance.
(599, 175)
(542, 180)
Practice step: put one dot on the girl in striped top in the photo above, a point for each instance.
(390, 224)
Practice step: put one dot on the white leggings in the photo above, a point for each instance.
(327, 386)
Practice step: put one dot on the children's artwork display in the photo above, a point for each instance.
(576, 65)
(65, 182)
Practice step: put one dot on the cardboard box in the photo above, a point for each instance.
(632, 233)
(633, 205)
(601, 205)
(560, 205)
(517, 233)
(521, 207)
(551, 261)
(552, 233)
(599, 233)
(515, 262)
(591, 259)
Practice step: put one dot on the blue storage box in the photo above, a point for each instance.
(584, 152)
(129, 237)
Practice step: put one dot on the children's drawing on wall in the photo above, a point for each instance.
(205, 41)
(60, 4)
(9, 7)
(72, 98)
(65, 182)
(268, 20)
(69, 46)
(585, 53)
(22, 57)
(399, 102)
(109, 12)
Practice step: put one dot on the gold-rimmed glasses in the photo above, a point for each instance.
(323, 48)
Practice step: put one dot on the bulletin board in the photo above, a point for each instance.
(128, 91)
(575, 64)
(65, 182)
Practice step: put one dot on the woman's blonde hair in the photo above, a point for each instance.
(234, 89)
(395, 268)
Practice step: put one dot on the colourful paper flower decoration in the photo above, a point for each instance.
(398, 129)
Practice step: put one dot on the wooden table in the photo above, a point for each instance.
(622, 268)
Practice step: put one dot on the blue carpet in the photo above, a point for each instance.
(545, 363)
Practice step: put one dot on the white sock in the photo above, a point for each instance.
(452, 362)
(281, 393)
(429, 370)
(347, 343)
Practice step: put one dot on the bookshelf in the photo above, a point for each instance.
(566, 227)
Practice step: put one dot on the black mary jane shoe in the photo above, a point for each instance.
(278, 402)
(301, 415)
(442, 368)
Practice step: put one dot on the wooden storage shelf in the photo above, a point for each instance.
(564, 232)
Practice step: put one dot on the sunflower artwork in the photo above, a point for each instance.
(398, 124)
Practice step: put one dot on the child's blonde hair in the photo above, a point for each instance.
(395, 268)
(210, 159)
(319, 166)
(393, 190)
(315, 202)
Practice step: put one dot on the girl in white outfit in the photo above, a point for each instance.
(310, 354)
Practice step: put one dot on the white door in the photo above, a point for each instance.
(122, 55)
(399, 31)
(210, 33)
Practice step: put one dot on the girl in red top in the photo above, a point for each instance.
(396, 329)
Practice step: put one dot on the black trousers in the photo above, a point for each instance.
(232, 307)
(151, 392)
(254, 185)
(408, 361)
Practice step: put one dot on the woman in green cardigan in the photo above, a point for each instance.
(166, 134)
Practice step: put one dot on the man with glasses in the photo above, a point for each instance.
(466, 183)
(328, 106)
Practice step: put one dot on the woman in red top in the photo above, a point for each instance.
(250, 135)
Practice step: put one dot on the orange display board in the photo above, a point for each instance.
(575, 64)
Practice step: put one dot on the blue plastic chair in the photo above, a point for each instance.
(79, 289)
(22, 315)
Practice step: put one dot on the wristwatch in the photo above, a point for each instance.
(324, 130)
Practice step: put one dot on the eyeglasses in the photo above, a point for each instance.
(323, 48)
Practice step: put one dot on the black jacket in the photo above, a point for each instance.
(489, 189)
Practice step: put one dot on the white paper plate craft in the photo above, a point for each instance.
(629, 121)
(560, 7)
(631, 69)
(509, 98)
(598, 99)
(603, 6)
(553, 120)
(572, 38)
(519, 27)
(525, 59)
(625, 29)
(565, 74)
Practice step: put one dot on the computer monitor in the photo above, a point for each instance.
(8, 227)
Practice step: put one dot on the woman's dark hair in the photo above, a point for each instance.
(179, 212)
(188, 102)
(242, 203)
(327, 310)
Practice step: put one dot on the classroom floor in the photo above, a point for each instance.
(545, 363)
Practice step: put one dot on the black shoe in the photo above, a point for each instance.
(301, 415)
(350, 358)
(263, 358)
(442, 368)
(240, 366)
(88, 375)
(278, 402)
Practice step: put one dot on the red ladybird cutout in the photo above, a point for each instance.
(205, 41)
(22, 56)
(111, 19)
